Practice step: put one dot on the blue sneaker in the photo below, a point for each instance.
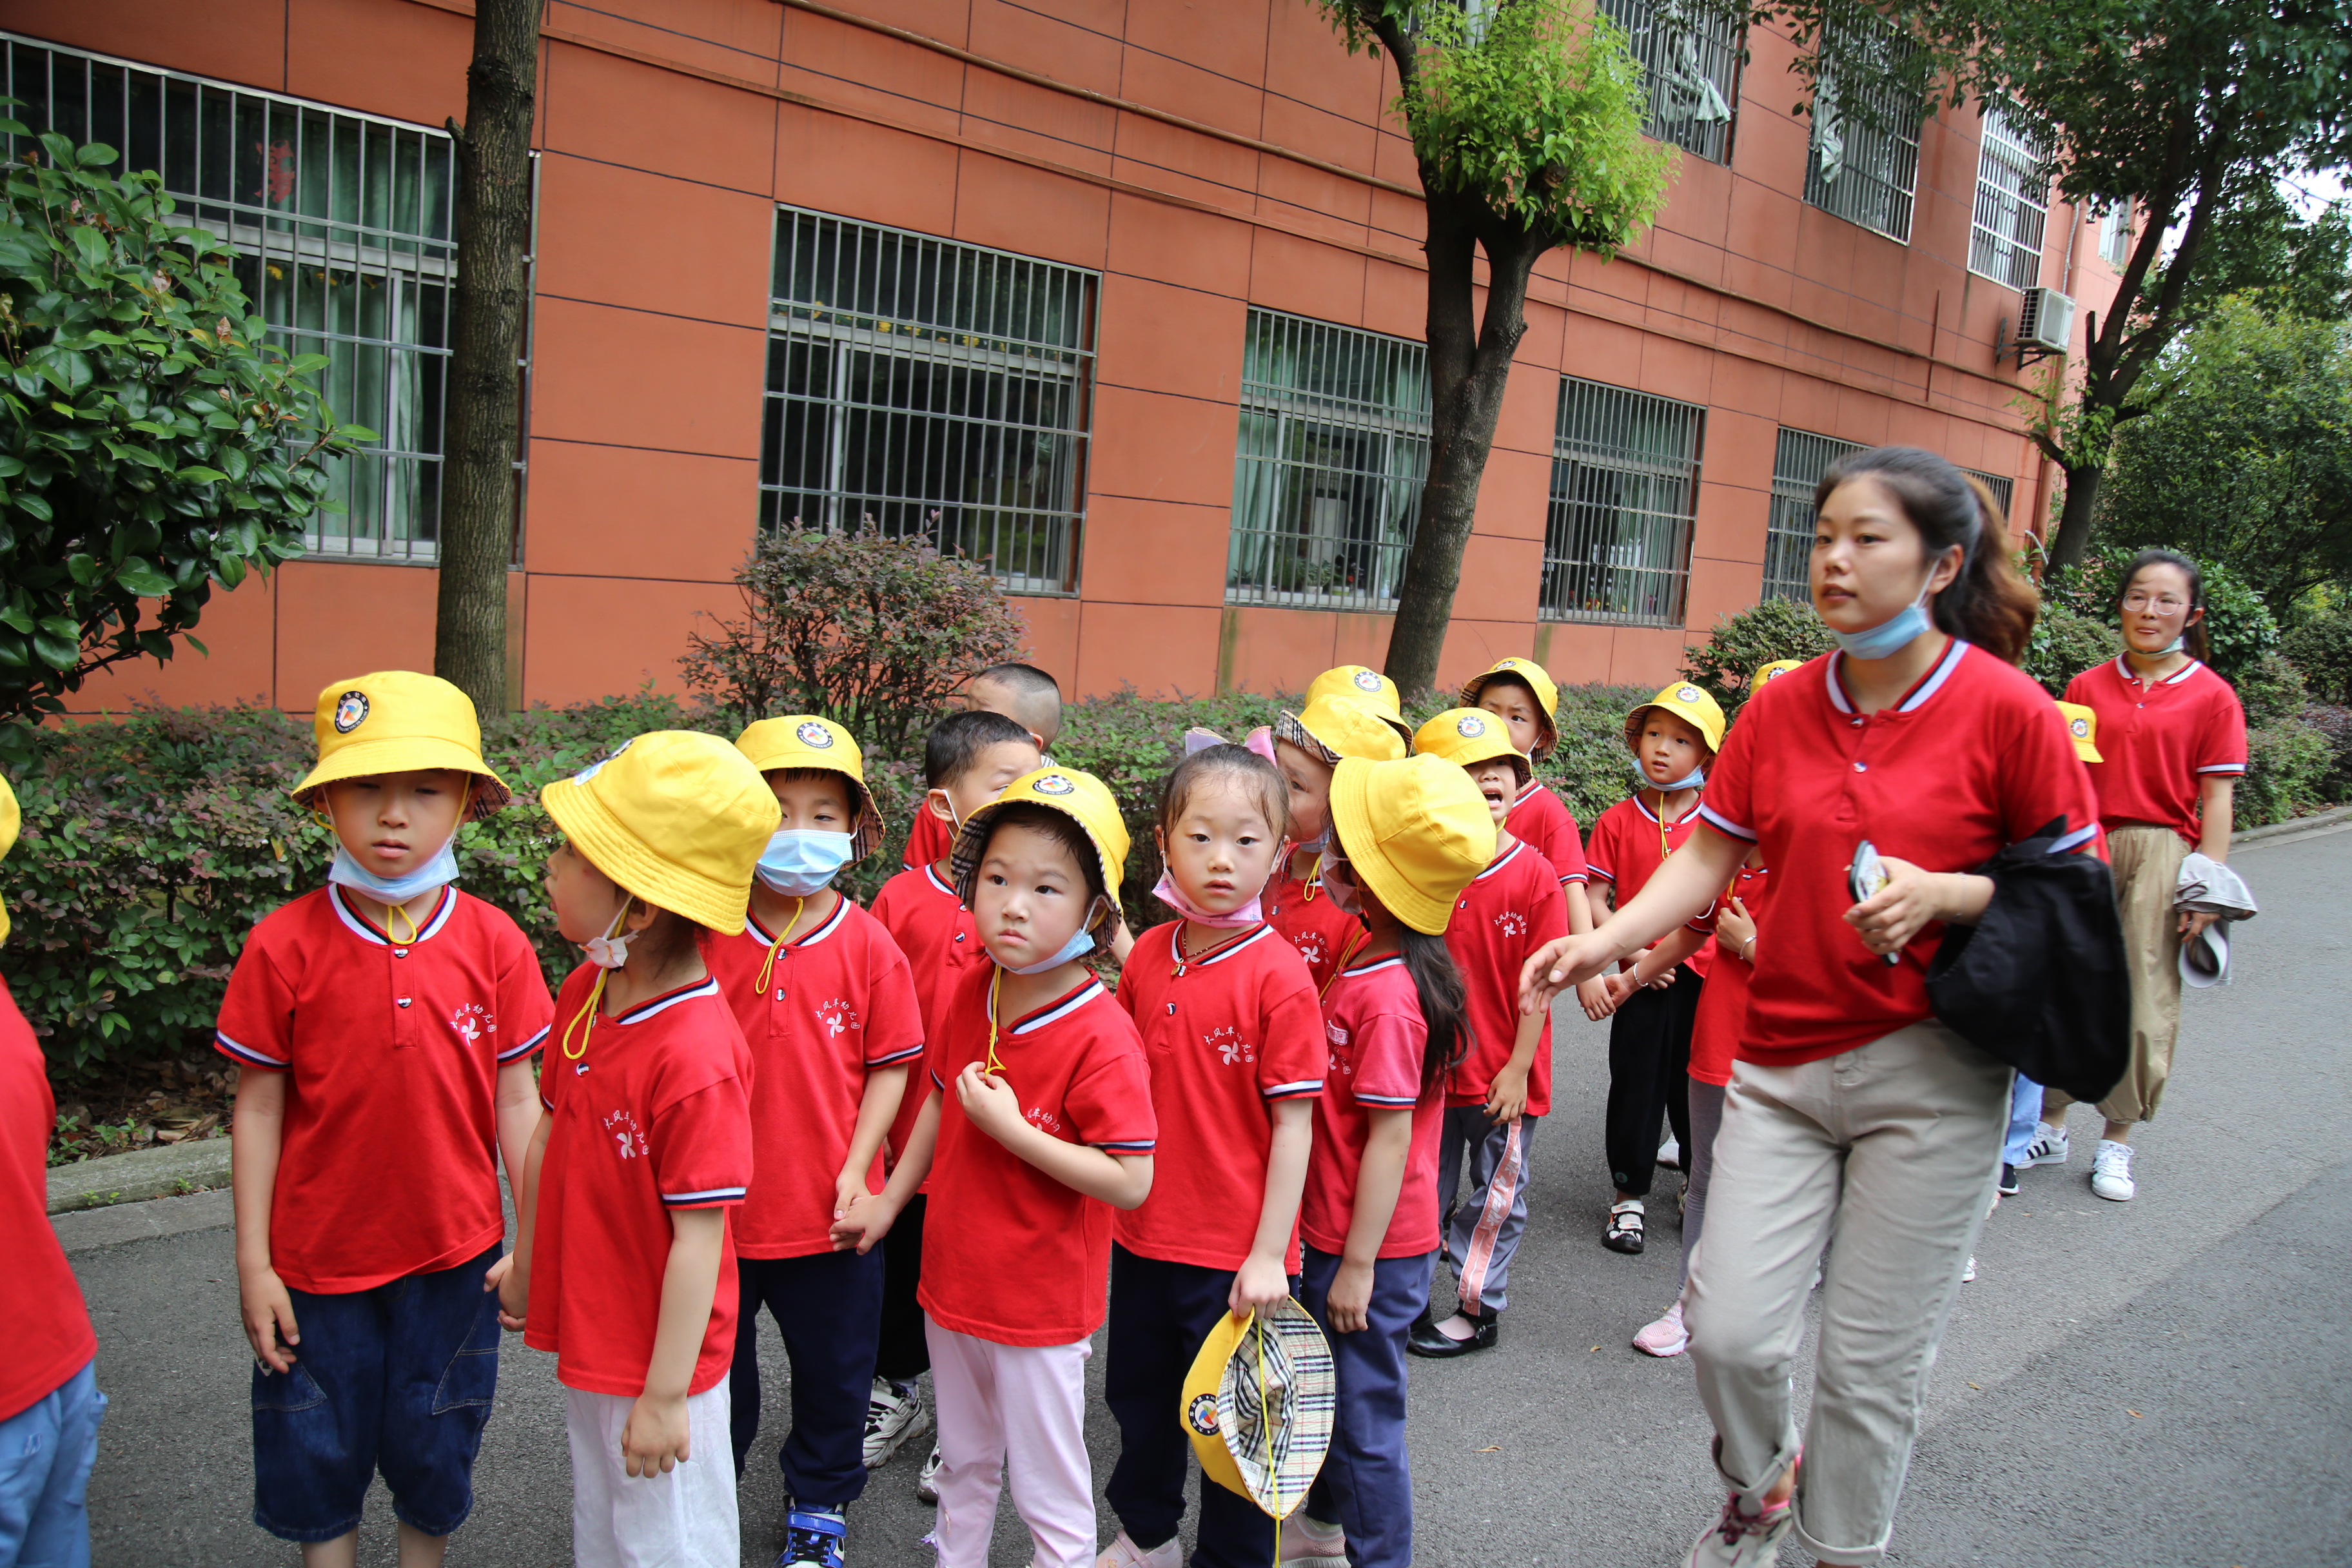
(813, 1538)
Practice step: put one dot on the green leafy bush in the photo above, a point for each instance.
(2334, 724)
(2272, 691)
(1590, 770)
(2287, 767)
(2065, 643)
(2321, 647)
(1740, 645)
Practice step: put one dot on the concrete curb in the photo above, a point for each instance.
(89, 1229)
(2293, 824)
(171, 1171)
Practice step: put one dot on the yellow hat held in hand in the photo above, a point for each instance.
(398, 722)
(1766, 674)
(1333, 727)
(2082, 724)
(1414, 833)
(1685, 702)
(1259, 1404)
(1362, 683)
(1537, 682)
(1080, 797)
(12, 818)
(806, 741)
(1468, 736)
(678, 818)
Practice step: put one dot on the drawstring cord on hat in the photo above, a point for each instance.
(617, 950)
(768, 967)
(995, 979)
(1266, 1420)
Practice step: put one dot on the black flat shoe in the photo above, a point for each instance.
(1426, 1341)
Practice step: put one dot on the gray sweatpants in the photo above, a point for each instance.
(1885, 1157)
(1482, 1234)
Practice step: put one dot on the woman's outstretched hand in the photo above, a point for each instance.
(1560, 963)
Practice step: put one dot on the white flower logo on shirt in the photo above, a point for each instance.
(1227, 1042)
(1511, 922)
(472, 1021)
(628, 1141)
(836, 1017)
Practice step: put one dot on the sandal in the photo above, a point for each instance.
(1625, 1224)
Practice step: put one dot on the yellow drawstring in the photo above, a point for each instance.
(402, 910)
(1347, 952)
(596, 994)
(1265, 1419)
(995, 979)
(1314, 878)
(768, 967)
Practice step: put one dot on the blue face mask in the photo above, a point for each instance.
(1695, 779)
(346, 871)
(800, 861)
(1081, 943)
(1890, 637)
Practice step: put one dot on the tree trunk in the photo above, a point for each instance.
(482, 423)
(2074, 532)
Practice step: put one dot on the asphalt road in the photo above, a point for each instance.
(2166, 1381)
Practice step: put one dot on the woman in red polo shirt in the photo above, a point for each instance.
(1856, 1124)
(2172, 741)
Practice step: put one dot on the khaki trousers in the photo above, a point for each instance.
(1884, 1158)
(2146, 866)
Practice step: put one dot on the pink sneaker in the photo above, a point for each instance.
(1742, 1539)
(1667, 1336)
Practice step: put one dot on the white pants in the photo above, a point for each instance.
(1017, 1414)
(684, 1520)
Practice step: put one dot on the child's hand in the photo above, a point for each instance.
(988, 1102)
(1260, 1286)
(1350, 1302)
(1621, 985)
(1598, 999)
(1735, 928)
(846, 1190)
(268, 1313)
(514, 1293)
(1506, 1096)
(1661, 982)
(654, 1440)
(867, 1221)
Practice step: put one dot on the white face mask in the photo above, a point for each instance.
(1081, 943)
(346, 871)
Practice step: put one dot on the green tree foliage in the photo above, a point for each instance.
(151, 444)
(2065, 643)
(1740, 645)
(2320, 646)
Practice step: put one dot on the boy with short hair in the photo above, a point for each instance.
(383, 1029)
(829, 1010)
(1021, 692)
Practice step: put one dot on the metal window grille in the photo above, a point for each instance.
(1624, 490)
(1328, 471)
(1999, 485)
(345, 232)
(1863, 163)
(2012, 205)
(1798, 461)
(2116, 234)
(1692, 59)
(931, 389)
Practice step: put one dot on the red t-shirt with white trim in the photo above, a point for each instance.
(1624, 852)
(49, 1336)
(1376, 1039)
(388, 1161)
(654, 1114)
(935, 932)
(1973, 758)
(1723, 1005)
(1225, 1035)
(2158, 742)
(1542, 818)
(1011, 1255)
(1509, 909)
(1305, 915)
(838, 1002)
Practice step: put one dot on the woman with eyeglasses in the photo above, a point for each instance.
(2172, 743)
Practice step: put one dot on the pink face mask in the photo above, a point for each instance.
(1168, 893)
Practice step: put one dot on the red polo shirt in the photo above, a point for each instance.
(49, 1336)
(388, 1162)
(1373, 1029)
(1539, 817)
(1309, 921)
(1723, 1005)
(837, 1004)
(1010, 1253)
(927, 840)
(1225, 1035)
(1973, 758)
(1508, 911)
(1626, 853)
(941, 944)
(653, 1115)
(2159, 741)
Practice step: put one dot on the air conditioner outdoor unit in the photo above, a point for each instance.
(2047, 321)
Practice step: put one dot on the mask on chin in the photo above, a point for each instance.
(1081, 943)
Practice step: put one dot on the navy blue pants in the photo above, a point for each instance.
(1367, 1481)
(829, 1308)
(398, 1379)
(1160, 1313)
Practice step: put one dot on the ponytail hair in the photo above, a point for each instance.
(2200, 646)
(1438, 985)
(1989, 602)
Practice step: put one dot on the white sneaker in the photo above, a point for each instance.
(2048, 1148)
(1741, 1539)
(1310, 1543)
(1667, 1336)
(2111, 1176)
(1670, 1154)
(1969, 1274)
(1125, 1553)
(927, 1485)
(891, 1419)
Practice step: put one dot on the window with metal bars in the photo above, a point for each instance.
(929, 388)
(2116, 234)
(1328, 471)
(1798, 461)
(1999, 486)
(1624, 490)
(2012, 205)
(1692, 59)
(1863, 162)
(345, 232)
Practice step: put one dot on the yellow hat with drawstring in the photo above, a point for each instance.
(678, 817)
(1685, 702)
(1362, 683)
(1080, 797)
(1468, 736)
(12, 818)
(398, 722)
(806, 741)
(1258, 1404)
(1332, 727)
(1537, 681)
(2082, 723)
(1414, 833)
(1766, 674)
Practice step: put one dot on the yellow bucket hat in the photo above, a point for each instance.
(2081, 722)
(806, 741)
(12, 818)
(1332, 727)
(677, 817)
(1415, 833)
(1363, 684)
(397, 721)
(1766, 674)
(1080, 797)
(1685, 702)
(1258, 1404)
(1537, 682)
(1468, 736)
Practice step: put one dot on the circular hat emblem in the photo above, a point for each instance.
(1052, 783)
(1686, 694)
(814, 733)
(1510, 664)
(2082, 727)
(1201, 1414)
(1470, 726)
(1367, 681)
(351, 711)
(1775, 673)
(592, 769)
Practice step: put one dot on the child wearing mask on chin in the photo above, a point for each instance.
(827, 1006)
(1231, 1028)
(1673, 737)
(383, 1029)
(1307, 745)
(1039, 1123)
(623, 1265)
(1407, 838)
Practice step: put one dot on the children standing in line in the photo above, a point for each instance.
(1040, 1117)
(383, 1029)
(1673, 737)
(624, 1265)
(828, 1008)
(1501, 1086)
(1407, 837)
(1021, 692)
(1233, 1034)
(1307, 746)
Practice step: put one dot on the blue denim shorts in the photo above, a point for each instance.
(45, 1453)
(397, 1378)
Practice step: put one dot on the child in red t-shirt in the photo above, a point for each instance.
(1231, 1031)
(1039, 1123)
(1502, 1087)
(383, 1029)
(1307, 745)
(624, 1265)
(829, 1007)
(1407, 837)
